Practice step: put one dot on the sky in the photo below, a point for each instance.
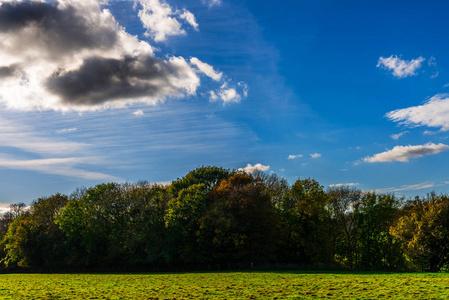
(347, 92)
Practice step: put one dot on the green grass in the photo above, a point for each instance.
(226, 285)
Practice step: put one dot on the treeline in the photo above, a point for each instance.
(218, 218)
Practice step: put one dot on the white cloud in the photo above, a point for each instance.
(161, 21)
(344, 184)
(404, 153)
(73, 55)
(213, 96)
(401, 68)
(4, 208)
(315, 155)
(138, 113)
(446, 85)
(229, 94)
(189, 18)
(294, 156)
(251, 169)
(433, 113)
(397, 136)
(207, 69)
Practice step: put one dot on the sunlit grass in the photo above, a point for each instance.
(226, 285)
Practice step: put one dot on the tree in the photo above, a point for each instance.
(207, 175)
(343, 208)
(305, 216)
(424, 232)
(378, 248)
(241, 221)
(15, 210)
(183, 222)
(33, 239)
(147, 240)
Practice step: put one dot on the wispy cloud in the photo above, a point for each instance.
(257, 167)
(433, 113)
(189, 18)
(411, 187)
(65, 130)
(32, 142)
(344, 184)
(397, 136)
(25, 138)
(315, 155)
(401, 68)
(207, 69)
(294, 156)
(429, 132)
(56, 166)
(404, 153)
(211, 3)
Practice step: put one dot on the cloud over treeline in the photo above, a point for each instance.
(73, 55)
(250, 169)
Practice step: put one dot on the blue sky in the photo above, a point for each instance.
(346, 92)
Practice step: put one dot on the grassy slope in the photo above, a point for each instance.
(225, 285)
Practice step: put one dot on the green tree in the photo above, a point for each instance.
(345, 236)
(183, 222)
(424, 232)
(147, 242)
(33, 239)
(207, 175)
(379, 249)
(305, 219)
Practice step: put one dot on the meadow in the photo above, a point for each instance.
(226, 285)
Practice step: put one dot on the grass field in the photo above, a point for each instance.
(225, 285)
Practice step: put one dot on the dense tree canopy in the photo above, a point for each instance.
(218, 218)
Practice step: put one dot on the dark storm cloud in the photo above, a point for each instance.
(7, 71)
(64, 29)
(99, 80)
(73, 55)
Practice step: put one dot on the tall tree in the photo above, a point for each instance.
(343, 207)
(33, 239)
(424, 232)
(379, 249)
(183, 222)
(305, 216)
(241, 221)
